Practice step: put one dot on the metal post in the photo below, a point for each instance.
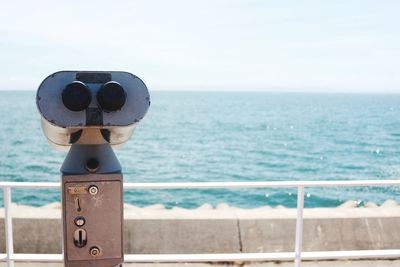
(8, 226)
(299, 226)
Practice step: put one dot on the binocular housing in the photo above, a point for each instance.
(91, 107)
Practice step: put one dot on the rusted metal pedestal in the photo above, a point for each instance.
(92, 202)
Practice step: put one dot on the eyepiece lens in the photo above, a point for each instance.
(111, 96)
(76, 96)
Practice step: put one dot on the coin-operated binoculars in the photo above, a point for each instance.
(89, 113)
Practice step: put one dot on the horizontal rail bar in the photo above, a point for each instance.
(264, 184)
(221, 257)
(29, 185)
(204, 185)
(351, 254)
(33, 257)
(217, 257)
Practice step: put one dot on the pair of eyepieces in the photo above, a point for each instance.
(111, 97)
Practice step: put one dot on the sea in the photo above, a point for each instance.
(227, 136)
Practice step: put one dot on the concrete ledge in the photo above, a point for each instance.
(226, 230)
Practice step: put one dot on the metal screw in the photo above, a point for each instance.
(93, 190)
(94, 251)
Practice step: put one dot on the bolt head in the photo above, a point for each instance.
(80, 221)
(93, 190)
(94, 251)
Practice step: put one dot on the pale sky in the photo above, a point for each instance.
(323, 46)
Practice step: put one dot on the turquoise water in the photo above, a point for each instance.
(193, 136)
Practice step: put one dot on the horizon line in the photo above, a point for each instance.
(247, 91)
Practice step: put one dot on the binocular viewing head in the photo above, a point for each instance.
(84, 107)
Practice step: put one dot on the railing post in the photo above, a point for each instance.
(299, 226)
(8, 226)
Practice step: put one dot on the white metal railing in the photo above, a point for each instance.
(10, 257)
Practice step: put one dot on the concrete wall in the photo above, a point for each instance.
(36, 235)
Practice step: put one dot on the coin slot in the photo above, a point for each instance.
(80, 238)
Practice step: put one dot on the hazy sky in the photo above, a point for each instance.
(326, 46)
